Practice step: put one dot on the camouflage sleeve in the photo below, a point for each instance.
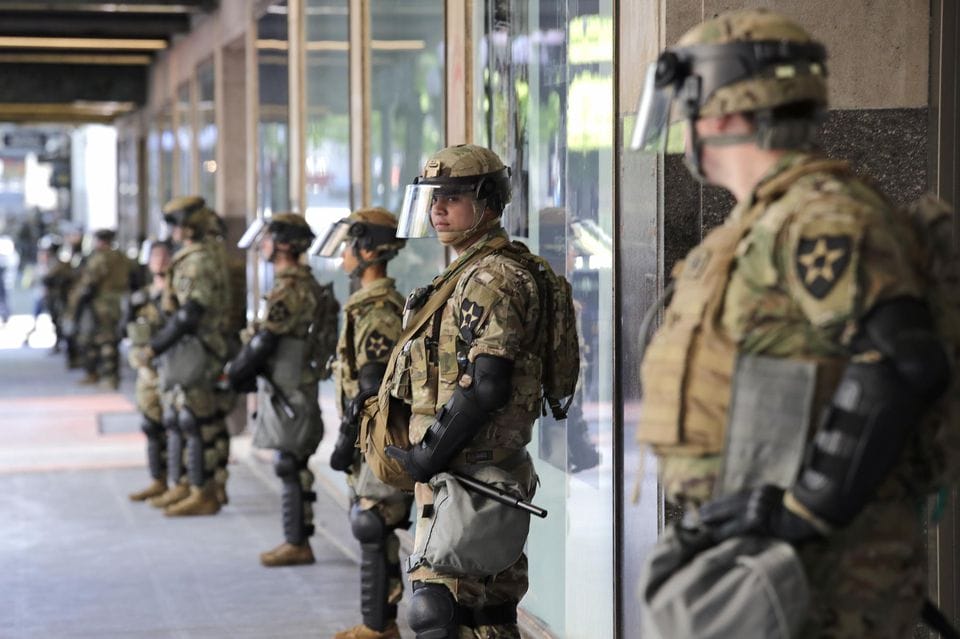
(841, 258)
(495, 307)
(375, 331)
(196, 280)
(94, 271)
(280, 314)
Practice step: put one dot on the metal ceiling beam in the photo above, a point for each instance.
(49, 83)
(92, 25)
(127, 6)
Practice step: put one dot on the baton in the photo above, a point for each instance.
(485, 489)
(275, 391)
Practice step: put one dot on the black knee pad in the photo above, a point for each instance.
(367, 525)
(433, 612)
(188, 423)
(286, 466)
(170, 419)
(151, 428)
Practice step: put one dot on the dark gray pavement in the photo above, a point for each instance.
(79, 560)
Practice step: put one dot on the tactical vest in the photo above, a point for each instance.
(688, 367)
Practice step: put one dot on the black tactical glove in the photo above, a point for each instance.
(345, 450)
(757, 511)
(414, 467)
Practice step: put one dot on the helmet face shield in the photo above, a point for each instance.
(331, 244)
(253, 234)
(414, 219)
(653, 114)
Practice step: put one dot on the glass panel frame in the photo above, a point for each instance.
(207, 134)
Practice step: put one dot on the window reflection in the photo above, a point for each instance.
(273, 170)
(184, 141)
(167, 144)
(544, 87)
(206, 132)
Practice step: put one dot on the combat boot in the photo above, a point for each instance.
(89, 379)
(109, 383)
(360, 631)
(287, 554)
(220, 485)
(177, 492)
(201, 501)
(155, 489)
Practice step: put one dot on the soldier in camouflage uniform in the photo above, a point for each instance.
(192, 350)
(469, 376)
(806, 298)
(104, 280)
(56, 284)
(367, 240)
(145, 318)
(285, 351)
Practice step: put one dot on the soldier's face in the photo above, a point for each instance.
(349, 258)
(266, 247)
(176, 234)
(159, 261)
(453, 213)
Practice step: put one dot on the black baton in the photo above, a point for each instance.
(275, 391)
(497, 495)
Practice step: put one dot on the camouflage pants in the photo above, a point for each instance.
(147, 393)
(869, 580)
(101, 357)
(205, 404)
(508, 586)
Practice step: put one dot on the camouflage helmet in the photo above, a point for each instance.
(371, 229)
(468, 168)
(750, 61)
(105, 235)
(188, 212)
(291, 229)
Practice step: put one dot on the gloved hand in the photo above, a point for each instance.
(227, 382)
(756, 511)
(408, 458)
(344, 451)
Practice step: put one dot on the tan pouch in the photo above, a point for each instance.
(376, 434)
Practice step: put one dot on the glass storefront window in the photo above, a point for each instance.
(406, 115)
(184, 140)
(167, 143)
(207, 132)
(544, 103)
(154, 182)
(128, 169)
(273, 155)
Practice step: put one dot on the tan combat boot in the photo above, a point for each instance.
(201, 501)
(361, 631)
(88, 379)
(287, 554)
(220, 484)
(177, 492)
(155, 489)
(109, 383)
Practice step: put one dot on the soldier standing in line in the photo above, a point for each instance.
(289, 349)
(809, 297)
(193, 349)
(56, 284)
(469, 371)
(145, 318)
(366, 240)
(97, 309)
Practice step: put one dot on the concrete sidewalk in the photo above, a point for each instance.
(80, 560)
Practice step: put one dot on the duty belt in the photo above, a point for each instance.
(506, 458)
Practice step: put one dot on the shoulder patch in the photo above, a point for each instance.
(278, 312)
(470, 314)
(377, 345)
(821, 261)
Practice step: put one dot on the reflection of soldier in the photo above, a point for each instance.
(145, 318)
(804, 310)
(289, 349)
(371, 325)
(581, 451)
(470, 372)
(97, 309)
(193, 350)
(56, 284)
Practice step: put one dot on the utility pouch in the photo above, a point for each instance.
(139, 333)
(742, 587)
(463, 533)
(184, 364)
(377, 432)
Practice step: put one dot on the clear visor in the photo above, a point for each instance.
(414, 219)
(649, 134)
(253, 234)
(331, 244)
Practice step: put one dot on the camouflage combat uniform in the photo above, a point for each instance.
(107, 273)
(291, 310)
(788, 275)
(497, 302)
(370, 329)
(197, 273)
(56, 288)
(148, 319)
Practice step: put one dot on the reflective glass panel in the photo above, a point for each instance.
(167, 143)
(184, 141)
(207, 132)
(273, 157)
(544, 102)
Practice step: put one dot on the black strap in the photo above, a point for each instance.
(499, 615)
(935, 620)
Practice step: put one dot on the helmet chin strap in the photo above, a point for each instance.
(362, 265)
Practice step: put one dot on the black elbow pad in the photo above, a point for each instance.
(251, 358)
(492, 382)
(370, 377)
